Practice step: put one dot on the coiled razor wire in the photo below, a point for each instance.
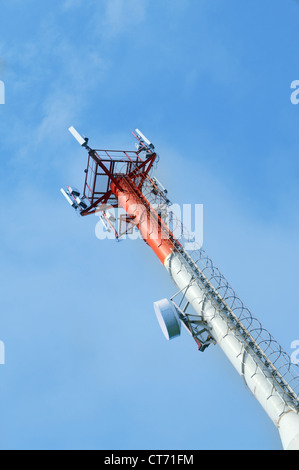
(265, 350)
(260, 342)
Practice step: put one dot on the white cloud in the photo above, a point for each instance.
(52, 87)
(120, 15)
(69, 4)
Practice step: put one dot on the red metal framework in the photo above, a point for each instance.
(105, 166)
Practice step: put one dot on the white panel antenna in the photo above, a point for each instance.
(77, 136)
(67, 197)
(143, 137)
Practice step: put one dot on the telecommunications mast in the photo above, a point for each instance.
(205, 304)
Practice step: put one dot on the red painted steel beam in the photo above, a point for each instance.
(153, 230)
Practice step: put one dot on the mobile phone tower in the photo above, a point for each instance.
(205, 304)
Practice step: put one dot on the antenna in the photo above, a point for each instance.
(143, 138)
(205, 304)
(82, 141)
(67, 197)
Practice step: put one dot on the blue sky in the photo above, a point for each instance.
(209, 83)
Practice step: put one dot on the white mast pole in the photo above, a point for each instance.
(277, 404)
